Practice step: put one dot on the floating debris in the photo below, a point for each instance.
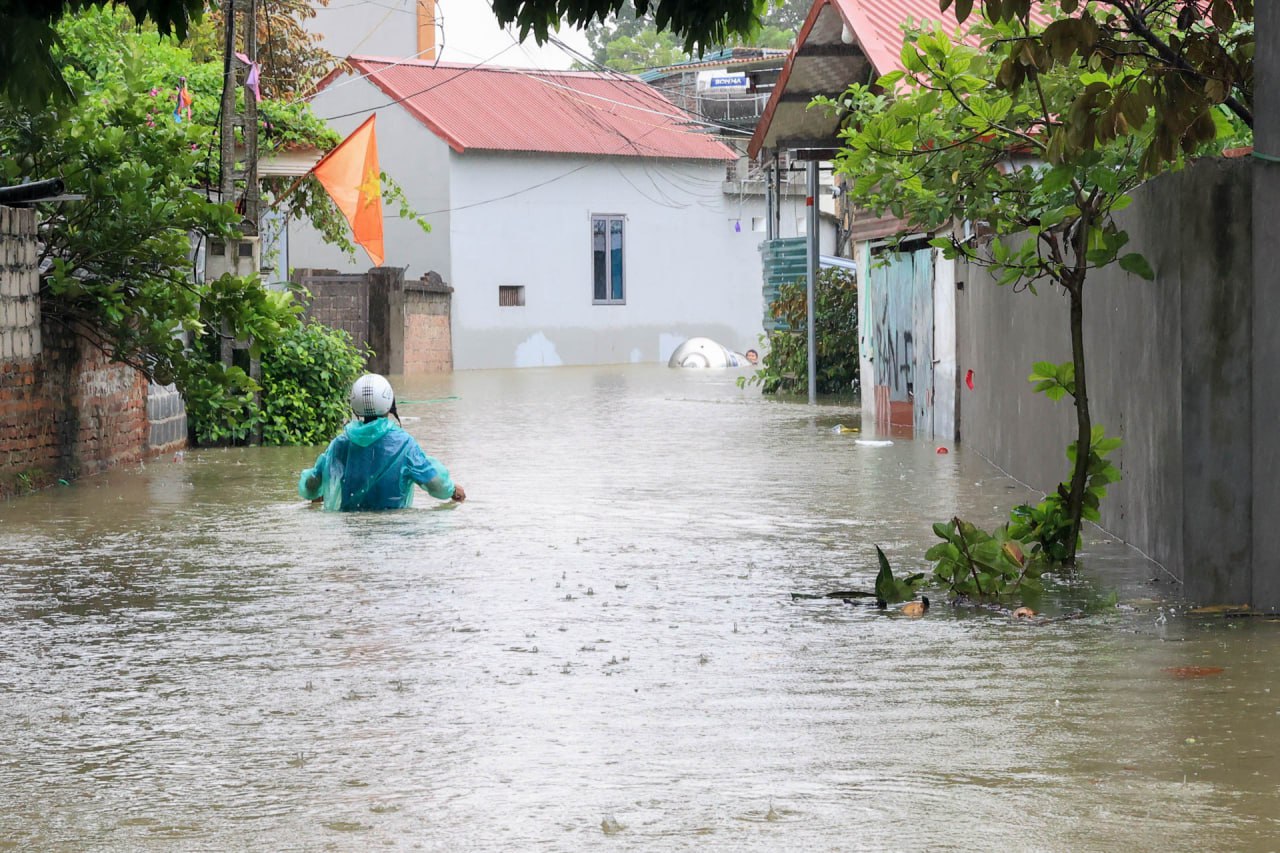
(916, 609)
(1214, 609)
(1192, 671)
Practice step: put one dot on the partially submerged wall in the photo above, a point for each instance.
(428, 334)
(1169, 366)
(65, 409)
(406, 325)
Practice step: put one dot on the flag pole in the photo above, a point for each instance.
(294, 186)
(292, 189)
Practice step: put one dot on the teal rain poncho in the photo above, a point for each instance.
(374, 466)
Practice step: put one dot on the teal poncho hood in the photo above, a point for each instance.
(366, 434)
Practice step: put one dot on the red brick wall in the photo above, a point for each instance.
(66, 413)
(428, 332)
(65, 410)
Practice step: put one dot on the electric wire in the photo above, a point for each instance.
(439, 22)
(404, 98)
(510, 194)
(620, 78)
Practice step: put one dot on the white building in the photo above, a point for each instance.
(580, 217)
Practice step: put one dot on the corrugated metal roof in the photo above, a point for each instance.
(727, 58)
(563, 112)
(849, 41)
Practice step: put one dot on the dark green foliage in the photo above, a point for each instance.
(1185, 61)
(698, 23)
(631, 43)
(889, 589)
(1047, 526)
(220, 405)
(784, 367)
(306, 379)
(29, 71)
(976, 564)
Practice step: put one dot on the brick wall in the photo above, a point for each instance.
(428, 331)
(338, 301)
(65, 409)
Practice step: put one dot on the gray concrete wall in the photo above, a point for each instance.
(1265, 578)
(166, 418)
(19, 285)
(1168, 371)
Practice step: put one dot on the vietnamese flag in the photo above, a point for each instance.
(351, 176)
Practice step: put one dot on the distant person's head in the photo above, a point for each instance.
(752, 356)
(372, 398)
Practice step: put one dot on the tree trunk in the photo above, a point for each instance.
(1084, 423)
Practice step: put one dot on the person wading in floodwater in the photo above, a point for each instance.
(373, 464)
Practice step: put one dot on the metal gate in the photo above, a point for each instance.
(899, 302)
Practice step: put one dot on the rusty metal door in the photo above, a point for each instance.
(900, 302)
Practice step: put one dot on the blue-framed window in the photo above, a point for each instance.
(607, 264)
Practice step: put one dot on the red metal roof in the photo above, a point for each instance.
(563, 112)
(873, 28)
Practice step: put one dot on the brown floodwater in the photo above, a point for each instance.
(599, 650)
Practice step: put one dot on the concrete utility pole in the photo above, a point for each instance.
(1265, 562)
(235, 174)
(238, 178)
(811, 279)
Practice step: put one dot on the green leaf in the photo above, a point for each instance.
(884, 579)
(1137, 264)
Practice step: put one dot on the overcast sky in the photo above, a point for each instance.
(467, 29)
(471, 33)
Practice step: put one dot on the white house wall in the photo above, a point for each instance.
(945, 381)
(525, 220)
(348, 28)
(416, 159)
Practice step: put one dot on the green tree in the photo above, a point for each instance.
(116, 267)
(1181, 59)
(629, 41)
(784, 368)
(291, 57)
(29, 72)
(956, 145)
(696, 22)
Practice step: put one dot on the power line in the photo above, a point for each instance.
(386, 67)
(404, 98)
(618, 77)
(510, 194)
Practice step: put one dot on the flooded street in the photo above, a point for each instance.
(599, 650)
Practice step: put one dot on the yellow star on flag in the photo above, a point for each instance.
(371, 189)
(351, 176)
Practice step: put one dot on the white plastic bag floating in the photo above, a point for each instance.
(704, 352)
(872, 442)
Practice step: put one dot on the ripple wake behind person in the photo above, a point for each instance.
(373, 464)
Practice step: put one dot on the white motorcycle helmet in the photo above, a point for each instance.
(371, 396)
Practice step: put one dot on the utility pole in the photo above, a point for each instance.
(238, 170)
(811, 277)
(239, 178)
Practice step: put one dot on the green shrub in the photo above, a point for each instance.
(306, 382)
(785, 366)
(306, 376)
